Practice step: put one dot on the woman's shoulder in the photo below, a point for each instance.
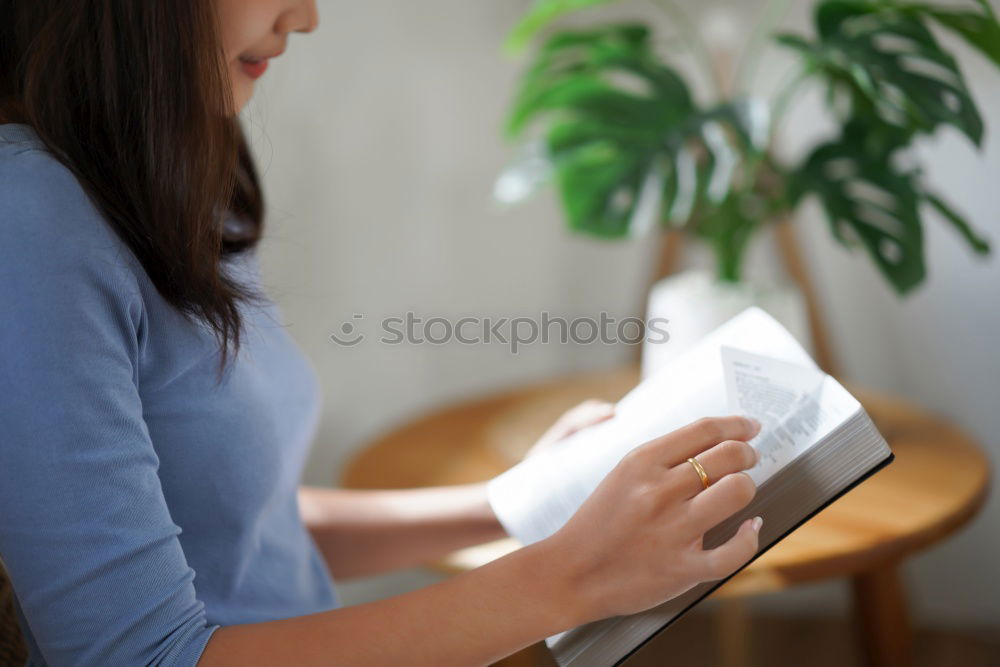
(47, 221)
(30, 174)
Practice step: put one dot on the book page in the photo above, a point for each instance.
(796, 405)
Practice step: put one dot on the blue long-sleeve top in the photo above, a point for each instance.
(142, 506)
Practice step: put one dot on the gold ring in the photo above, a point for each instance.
(702, 475)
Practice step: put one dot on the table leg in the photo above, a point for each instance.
(883, 620)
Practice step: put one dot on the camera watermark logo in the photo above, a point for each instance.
(349, 334)
(514, 332)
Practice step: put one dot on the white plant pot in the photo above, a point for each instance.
(693, 303)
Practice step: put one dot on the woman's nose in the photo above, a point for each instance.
(301, 16)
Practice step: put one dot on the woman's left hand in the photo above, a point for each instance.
(588, 413)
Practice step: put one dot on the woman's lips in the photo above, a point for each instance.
(254, 67)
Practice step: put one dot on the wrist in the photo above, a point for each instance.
(561, 584)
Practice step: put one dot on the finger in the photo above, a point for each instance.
(585, 414)
(721, 500)
(725, 458)
(728, 557)
(589, 413)
(693, 439)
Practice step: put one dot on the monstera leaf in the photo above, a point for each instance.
(980, 30)
(890, 65)
(868, 200)
(624, 138)
(542, 13)
(900, 83)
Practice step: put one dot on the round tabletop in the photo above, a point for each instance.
(937, 482)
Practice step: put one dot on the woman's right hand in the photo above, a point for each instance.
(637, 540)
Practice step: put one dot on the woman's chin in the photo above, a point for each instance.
(241, 97)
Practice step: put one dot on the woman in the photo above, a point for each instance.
(155, 415)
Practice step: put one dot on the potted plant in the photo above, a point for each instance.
(629, 147)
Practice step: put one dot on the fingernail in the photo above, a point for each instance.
(754, 424)
(756, 524)
(757, 454)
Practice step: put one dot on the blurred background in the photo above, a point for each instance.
(379, 141)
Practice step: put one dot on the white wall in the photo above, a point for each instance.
(378, 138)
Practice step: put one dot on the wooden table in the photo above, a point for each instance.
(937, 483)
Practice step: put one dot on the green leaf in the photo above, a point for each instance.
(864, 196)
(579, 68)
(868, 200)
(981, 31)
(601, 169)
(587, 96)
(599, 185)
(890, 64)
(978, 243)
(541, 14)
(621, 127)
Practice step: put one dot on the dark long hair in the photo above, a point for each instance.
(134, 98)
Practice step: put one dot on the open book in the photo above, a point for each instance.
(816, 443)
